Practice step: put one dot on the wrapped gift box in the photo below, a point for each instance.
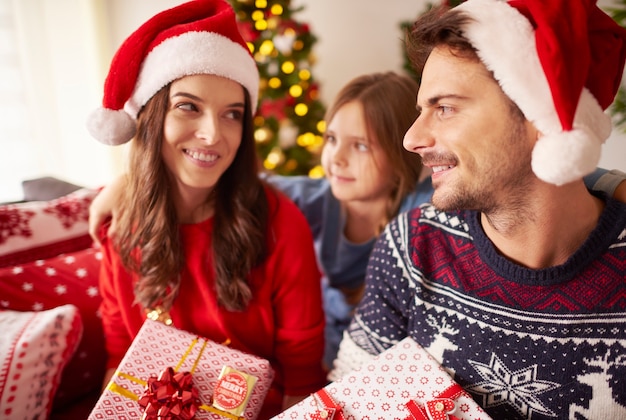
(404, 382)
(157, 347)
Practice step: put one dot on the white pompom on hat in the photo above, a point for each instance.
(197, 37)
(561, 62)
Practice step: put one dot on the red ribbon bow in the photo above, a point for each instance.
(171, 396)
(438, 408)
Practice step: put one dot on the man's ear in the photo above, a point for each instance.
(535, 134)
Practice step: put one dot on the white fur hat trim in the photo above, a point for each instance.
(505, 42)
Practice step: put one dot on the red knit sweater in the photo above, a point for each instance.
(283, 323)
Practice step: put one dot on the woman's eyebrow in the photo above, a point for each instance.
(197, 98)
(185, 95)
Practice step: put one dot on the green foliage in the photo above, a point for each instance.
(289, 122)
(406, 26)
(618, 108)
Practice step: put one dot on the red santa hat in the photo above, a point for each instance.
(561, 62)
(198, 37)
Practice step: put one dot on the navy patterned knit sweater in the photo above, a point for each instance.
(526, 344)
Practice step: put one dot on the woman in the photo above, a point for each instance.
(201, 241)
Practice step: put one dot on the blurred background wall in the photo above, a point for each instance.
(54, 55)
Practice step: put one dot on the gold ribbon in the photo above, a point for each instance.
(120, 390)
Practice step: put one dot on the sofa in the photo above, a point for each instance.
(51, 345)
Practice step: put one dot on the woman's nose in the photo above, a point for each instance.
(208, 129)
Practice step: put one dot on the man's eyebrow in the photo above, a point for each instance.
(434, 100)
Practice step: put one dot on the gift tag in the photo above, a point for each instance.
(327, 408)
(324, 414)
(439, 408)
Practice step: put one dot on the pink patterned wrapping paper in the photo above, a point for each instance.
(392, 386)
(158, 346)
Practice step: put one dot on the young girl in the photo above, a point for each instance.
(201, 241)
(369, 178)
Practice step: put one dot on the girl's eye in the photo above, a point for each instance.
(329, 138)
(362, 147)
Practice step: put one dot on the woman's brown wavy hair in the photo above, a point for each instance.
(388, 101)
(148, 238)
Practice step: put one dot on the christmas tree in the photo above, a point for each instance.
(289, 122)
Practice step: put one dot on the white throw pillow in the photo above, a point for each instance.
(34, 349)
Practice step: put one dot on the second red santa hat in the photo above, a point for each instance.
(561, 62)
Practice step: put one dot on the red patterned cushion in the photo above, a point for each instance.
(34, 349)
(65, 279)
(42, 229)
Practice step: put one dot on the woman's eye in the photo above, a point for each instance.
(186, 106)
(235, 114)
(329, 138)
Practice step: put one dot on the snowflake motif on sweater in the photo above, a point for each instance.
(527, 344)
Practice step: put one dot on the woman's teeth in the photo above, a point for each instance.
(201, 156)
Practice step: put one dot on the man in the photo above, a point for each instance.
(515, 278)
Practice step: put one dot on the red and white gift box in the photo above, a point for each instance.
(402, 383)
(157, 347)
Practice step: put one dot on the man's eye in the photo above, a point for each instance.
(443, 109)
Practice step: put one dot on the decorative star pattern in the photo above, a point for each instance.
(519, 389)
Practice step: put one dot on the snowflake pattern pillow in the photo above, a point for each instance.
(65, 279)
(41, 229)
(34, 349)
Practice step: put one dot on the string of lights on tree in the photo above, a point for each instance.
(290, 117)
